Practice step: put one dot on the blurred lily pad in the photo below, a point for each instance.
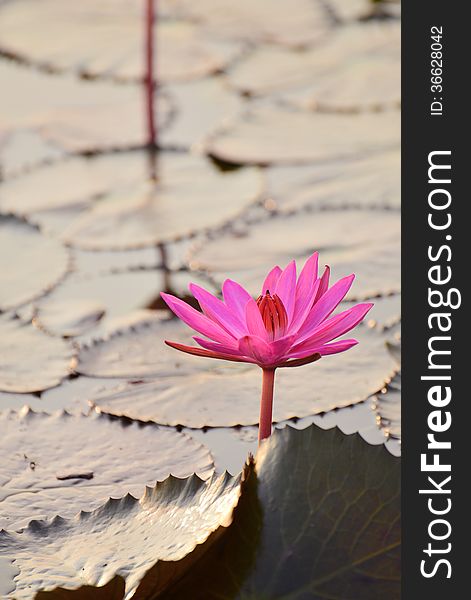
(150, 543)
(141, 352)
(73, 395)
(372, 182)
(271, 134)
(387, 407)
(114, 31)
(110, 201)
(327, 515)
(196, 392)
(189, 196)
(387, 404)
(366, 243)
(22, 149)
(59, 464)
(31, 360)
(210, 99)
(364, 10)
(357, 67)
(40, 263)
(67, 115)
(84, 304)
(272, 21)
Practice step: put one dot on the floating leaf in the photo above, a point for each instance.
(388, 407)
(150, 542)
(278, 135)
(357, 67)
(31, 360)
(388, 403)
(72, 115)
(394, 348)
(230, 446)
(190, 195)
(262, 21)
(22, 149)
(58, 464)
(373, 182)
(364, 10)
(198, 393)
(183, 52)
(141, 352)
(39, 263)
(210, 99)
(85, 302)
(385, 314)
(366, 243)
(325, 520)
(73, 395)
(76, 181)
(108, 201)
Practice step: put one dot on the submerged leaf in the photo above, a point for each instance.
(31, 360)
(149, 543)
(58, 464)
(330, 525)
(39, 263)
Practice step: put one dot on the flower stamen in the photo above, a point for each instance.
(274, 315)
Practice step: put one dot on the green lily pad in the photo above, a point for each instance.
(177, 389)
(183, 52)
(270, 134)
(59, 464)
(149, 543)
(366, 243)
(325, 520)
(40, 263)
(31, 360)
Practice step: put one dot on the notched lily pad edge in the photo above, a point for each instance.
(69, 267)
(41, 526)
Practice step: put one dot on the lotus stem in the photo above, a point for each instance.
(266, 404)
(149, 79)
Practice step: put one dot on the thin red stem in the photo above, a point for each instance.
(266, 404)
(149, 79)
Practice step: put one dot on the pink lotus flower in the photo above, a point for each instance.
(289, 325)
